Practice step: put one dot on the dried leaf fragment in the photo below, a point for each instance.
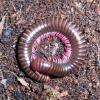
(3, 81)
(51, 93)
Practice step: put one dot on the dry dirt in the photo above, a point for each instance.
(15, 15)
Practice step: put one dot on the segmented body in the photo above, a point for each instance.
(40, 68)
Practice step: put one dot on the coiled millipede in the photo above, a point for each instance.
(51, 47)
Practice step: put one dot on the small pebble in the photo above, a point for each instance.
(6, 35)
(19, 94)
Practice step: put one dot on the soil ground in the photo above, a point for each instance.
(18, 14)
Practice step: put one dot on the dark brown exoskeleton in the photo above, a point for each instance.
(40, 69)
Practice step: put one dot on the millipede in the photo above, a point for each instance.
(51, 47)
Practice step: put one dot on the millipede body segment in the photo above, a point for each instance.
(51, 47)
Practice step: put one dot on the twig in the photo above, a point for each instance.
(77, 7)
(21, 80)
(98, 53)
(13, 6)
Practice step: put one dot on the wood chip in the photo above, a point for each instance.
(23, 82)
(21, 21)
(91, 1)
(98, 9)
(65, 93)
(2, 25)
(0, 54)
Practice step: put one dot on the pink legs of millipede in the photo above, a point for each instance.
(49, 52)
